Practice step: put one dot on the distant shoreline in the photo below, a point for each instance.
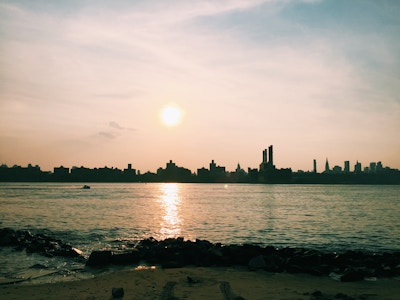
(294, 182)
(267, 173)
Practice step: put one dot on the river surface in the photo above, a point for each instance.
(323, 217)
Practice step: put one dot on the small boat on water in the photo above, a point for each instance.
(86, 187)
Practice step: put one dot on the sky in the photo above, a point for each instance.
(83, 83)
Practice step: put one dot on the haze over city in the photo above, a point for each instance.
(107, 83)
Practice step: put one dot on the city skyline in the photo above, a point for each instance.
(315, 166)
(94, 83)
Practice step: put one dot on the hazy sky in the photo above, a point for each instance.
(83, 82)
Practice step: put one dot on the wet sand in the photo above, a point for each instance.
(204, 283)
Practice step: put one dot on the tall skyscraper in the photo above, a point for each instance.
(268, 159)
(347, 166)
(315, 166)
(327, 166)
(270, 156)
(264, 159)
(357, 167)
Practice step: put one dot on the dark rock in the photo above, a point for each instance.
(274, 263)
(38, 243)
(176, 252)
(190, 280)
(28, 235)
(213, 256)
(99, 258)
(344, 296)
(173, 243)
(316, 294)
(147, 243)
(117, 292)
(257, 263)
(294, 269)
(5, 240)
(352, 275)
(125, 258)
(318, 270)
(241, 255)
(296, 264)
(7, 237)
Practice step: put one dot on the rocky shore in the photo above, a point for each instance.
(178, 253)
(37, 243)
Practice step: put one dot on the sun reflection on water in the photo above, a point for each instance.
(170, 201)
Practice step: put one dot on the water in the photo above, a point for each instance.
(324, 217)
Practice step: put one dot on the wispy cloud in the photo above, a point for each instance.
(116, 125)
(108, 134)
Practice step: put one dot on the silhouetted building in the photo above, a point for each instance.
(268, 173)
(315, 166)
(270, 156)
(216, 170)
(379, 167)
(347, 166)
(327, 169)
(173, 173)
(61, 174)
(203, 175)
(267, 164)
(357, 167)
(239, 175)
(129, 174)
(372, 167)
(214, 174)
(337, 169)
(253, 175)
(18, 173)
(61, 171)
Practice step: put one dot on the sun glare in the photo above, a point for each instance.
(171, 115)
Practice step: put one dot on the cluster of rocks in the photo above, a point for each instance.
(37, 243)
(176, 252)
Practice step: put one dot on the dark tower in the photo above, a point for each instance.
(270, 156)
(315, 166)
(327, 166)
(264, 159)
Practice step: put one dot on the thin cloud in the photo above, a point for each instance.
(107, 134)
(116, 125)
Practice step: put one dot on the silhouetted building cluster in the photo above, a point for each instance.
(375, 173)
(173, 173)
(269, 173)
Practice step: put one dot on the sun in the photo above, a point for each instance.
(171, 115)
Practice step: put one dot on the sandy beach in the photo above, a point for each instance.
(204, 283)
